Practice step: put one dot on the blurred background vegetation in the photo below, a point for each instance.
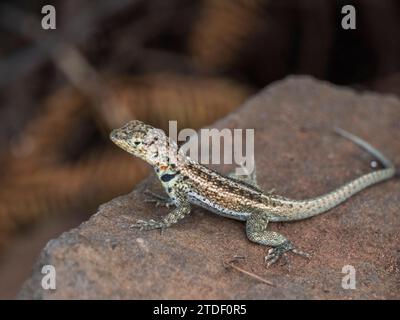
(63, 90)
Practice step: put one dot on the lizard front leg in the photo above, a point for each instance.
(158, 200)
(173, 217)
(256, 231)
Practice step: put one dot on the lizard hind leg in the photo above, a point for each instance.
(256, 231)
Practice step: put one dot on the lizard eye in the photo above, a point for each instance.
(137, 143)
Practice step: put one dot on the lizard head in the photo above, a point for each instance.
(146, 142)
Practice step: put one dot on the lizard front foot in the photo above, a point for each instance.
(275, 253)
(149, 225)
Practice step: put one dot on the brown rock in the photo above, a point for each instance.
(298, 155)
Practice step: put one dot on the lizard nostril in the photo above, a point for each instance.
(113, 134)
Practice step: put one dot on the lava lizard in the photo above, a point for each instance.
(239, 197)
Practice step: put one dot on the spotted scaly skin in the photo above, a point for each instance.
(189, 183)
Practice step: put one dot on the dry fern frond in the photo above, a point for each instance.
(222, 30)
(43, 141)
(81, 186)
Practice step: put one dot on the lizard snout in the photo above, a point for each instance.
(116, 135)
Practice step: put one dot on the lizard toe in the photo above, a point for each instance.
(275, 253)
(280, 251)
(301, 253)
(148, 225)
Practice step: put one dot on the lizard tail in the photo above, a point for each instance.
(312, 207)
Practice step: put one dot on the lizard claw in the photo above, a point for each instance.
(275, 253)
(302, 253)
(148, 225)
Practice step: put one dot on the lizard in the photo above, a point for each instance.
(189, 183)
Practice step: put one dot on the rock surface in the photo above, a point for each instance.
(298, 155)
